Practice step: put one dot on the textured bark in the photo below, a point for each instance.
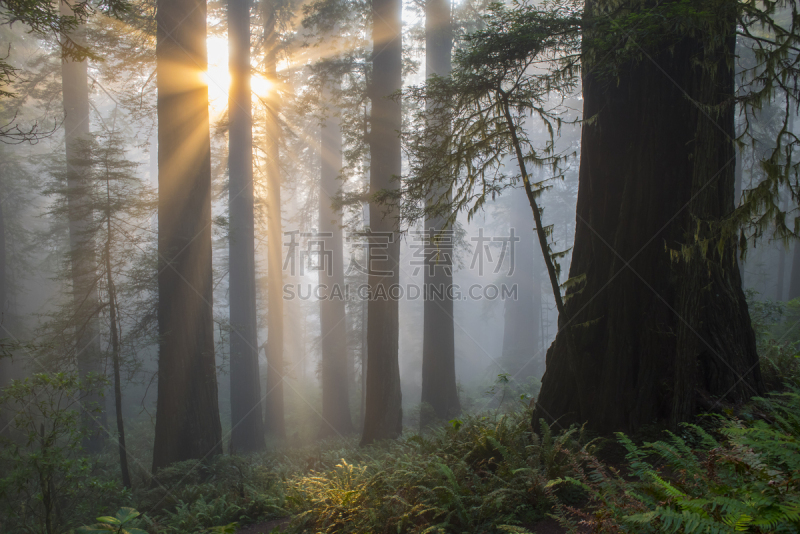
(336, 416)
(522, 319)
(383, 418)
(274, 421)
(247, 424)
(187, 414)
(88, 354)
(645, 338)
(439, 390)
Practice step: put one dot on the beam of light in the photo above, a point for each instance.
(218, 77)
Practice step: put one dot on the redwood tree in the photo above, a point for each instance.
(383, 417)
(275, 424)
(439, 390)
(187, 414)
(247, 428)
(332, 314)
(659, 326)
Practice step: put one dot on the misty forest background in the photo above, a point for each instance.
(609, 190)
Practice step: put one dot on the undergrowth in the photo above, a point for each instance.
(478, 475)
(742, 478)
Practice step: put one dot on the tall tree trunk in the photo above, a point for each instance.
(336, 416)
(274, 417)
(521, 317)
(187, 413)
(88, 354)
(439, 390)
(247, 424)
(648, 337)
(383, 418)
(116, 352)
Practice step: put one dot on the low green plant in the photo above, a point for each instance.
(119, 524)
(742, 480)
(47, 481)
(474, 474)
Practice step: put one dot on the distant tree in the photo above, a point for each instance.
(439, 390)
(336, 417)
(522, 315)
(383, 417)
(121, 199)
(88, 355)
(274, 421)
(247, 432)
(187, 414)
(56, 20)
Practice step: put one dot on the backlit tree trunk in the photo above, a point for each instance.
(383, 418)
(187, 414)
(439, 390)
(247, 427)
(274, 421)
(646, 338)
(333, 323)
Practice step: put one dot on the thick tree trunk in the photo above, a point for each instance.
(274, 422)
(88, 354)
(187, 414)
(383, 417)
(522, 314)
(336, 416)
(247, 424)
(645, 338)
(439, 390)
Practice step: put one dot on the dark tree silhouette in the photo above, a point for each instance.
(247, 427)
(439, 390)
(187, 414)
(660, 322)
(383, 418)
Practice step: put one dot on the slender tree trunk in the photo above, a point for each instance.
(187, 413)
(274, 417)
(648, 337)
(88, 355)
(383, 418)
(521, 318)
(439, 389)
(247, 424)
(794, 277)
(779, 287)
(4, 363)
(116, 352)
(3, 290)
(336, 416)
